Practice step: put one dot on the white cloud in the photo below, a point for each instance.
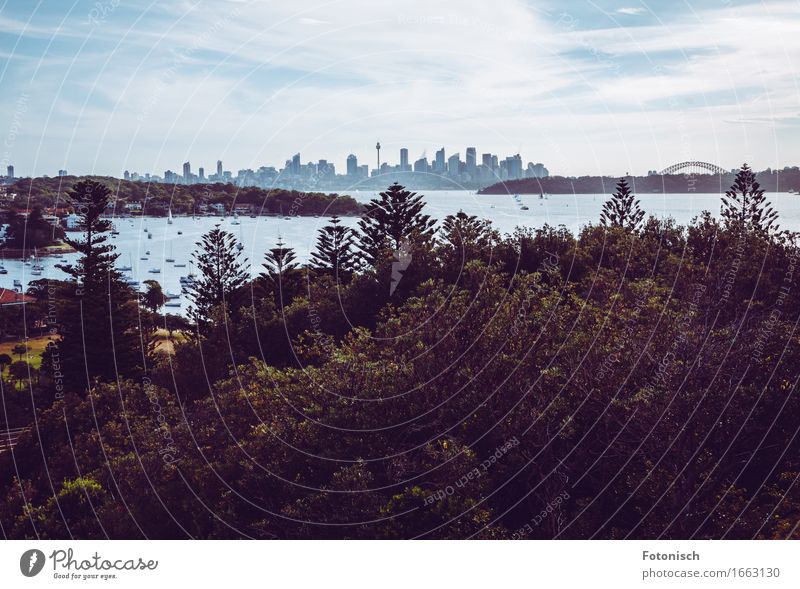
(631, 11)
(255, 82)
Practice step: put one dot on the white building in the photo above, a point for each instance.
(72, 221)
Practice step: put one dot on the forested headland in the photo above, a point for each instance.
(770, 180)
(159, 198)
(637, 379)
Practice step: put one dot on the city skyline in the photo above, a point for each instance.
(603, 88)
(323, 173)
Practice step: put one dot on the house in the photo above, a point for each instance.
(218, 207)
(243, 209)
(72, 221)
(134, 207)
(10, 298)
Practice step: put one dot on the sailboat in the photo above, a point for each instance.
(240, 244)
(170, 258)
(2, 264)
(37, 268)
(127, 268)
(169, 218)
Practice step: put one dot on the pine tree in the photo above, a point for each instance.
(391, 220)
(745, 205)
(278, 262)
(334, 253)
(222, 274)
(622, 209)
(98, 326)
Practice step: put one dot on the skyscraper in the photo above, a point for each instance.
(514, 167)
(471, 160)
(404, 160)
(454, 165)
(486, 160)
(219, 169)
(421, 165)
(201, 173)
(296, 164)
(187, 170)
(438, 164)
(10, 172)
(352, 165)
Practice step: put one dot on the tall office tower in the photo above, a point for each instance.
(126, 175)
(62, 173)
(514, 167)
(486, 160)
(296, 164)
(454, 165)
(187, 170)
(10, 172)
(471, 160)
(438, 164)
(494, 165)
(352, 165)
(219, 169)
(404, 160)
(421, 165)
(201, 172)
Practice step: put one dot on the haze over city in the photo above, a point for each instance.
(593, 88)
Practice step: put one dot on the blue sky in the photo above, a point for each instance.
(585, 87)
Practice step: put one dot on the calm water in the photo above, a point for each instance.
(262, 233)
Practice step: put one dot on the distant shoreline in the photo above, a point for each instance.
(770, 181)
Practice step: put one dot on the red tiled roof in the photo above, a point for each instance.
(10, 297)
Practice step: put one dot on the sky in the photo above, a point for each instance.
(597, 87)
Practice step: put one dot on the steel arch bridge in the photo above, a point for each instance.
(702, 167)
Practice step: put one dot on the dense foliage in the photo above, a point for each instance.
(158, 198)
(30, 231)
(771, 181)
(625, 382)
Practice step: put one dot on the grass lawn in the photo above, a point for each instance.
(36, 346)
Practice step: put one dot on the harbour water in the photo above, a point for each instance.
(147, 256)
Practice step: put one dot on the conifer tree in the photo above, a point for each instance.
(222, 273)
(622, 209)
(745, 205)
(98, 326)
(334, 253)
(278, 262)
(391, 220)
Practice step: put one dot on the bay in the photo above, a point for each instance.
(262, 233)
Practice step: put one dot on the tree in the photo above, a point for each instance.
(279, 261)
(464, 238)
(622, 209)
(391, 220)
(19, 371)
(334, 253)
(5, 360)
(222, 273)
(31, 231)
(744, 204)
(153, 298)
(98, 324)
(20, 350)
